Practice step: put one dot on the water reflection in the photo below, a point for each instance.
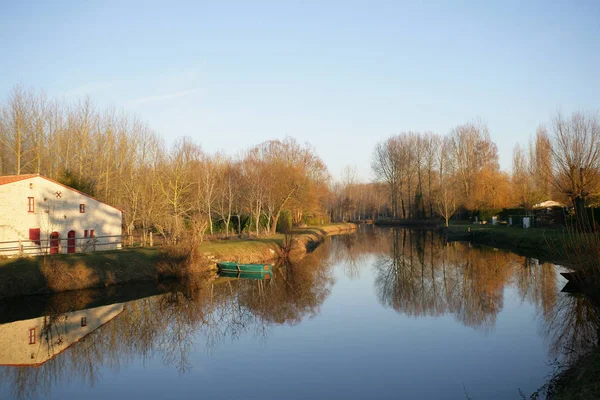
(415, 273)
(165, 326)
(572, 327)
(418, 274)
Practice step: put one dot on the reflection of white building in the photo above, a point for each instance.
(34, 341)
(39, 215)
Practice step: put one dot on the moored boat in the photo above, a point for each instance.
(231, 266)
(245, 275)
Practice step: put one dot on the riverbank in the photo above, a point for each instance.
(580, 381)
(547, 245)
(410, 223)
(64, 272)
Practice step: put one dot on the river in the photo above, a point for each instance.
(381, 313)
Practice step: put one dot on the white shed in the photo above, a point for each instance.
(41, 216)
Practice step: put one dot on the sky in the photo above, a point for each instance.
(340, 75)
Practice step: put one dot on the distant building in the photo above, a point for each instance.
(41, 216)
(548, 204)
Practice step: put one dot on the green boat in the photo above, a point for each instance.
(230, 266)
(245, 275)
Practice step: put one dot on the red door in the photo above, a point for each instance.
(54, 243)
(71, 242)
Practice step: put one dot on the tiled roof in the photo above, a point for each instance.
(15, 178)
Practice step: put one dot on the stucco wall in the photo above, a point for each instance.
(53, 213)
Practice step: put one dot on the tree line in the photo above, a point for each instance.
(181, 189)
(176, 191)
(421, 175)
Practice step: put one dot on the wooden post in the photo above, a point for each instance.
(20, 247)
(151, 240)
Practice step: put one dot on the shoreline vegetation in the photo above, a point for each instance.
(576, 251)
(547, 245)
(66, 272)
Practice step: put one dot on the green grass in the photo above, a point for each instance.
(546, 244)
(259, 249)
(235, 244)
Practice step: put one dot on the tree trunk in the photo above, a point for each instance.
(274, 224)
(580, 214)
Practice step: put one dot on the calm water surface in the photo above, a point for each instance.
(383, 313)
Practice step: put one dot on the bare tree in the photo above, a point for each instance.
(447, 197)
(386, 167)
(576, 158)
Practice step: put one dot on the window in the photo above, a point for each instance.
(82, 208)
(31, 204)
(83, 321)
(34, 235)
(32, 336)
(85, 233)
(92, 233)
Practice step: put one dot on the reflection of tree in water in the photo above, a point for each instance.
(569, 321)
(572, 327)
(169, 326)
(422, 275)
(537, 283)
(352, 250)
(416, 273)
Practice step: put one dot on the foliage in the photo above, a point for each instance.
(487, 214)
(177, 192)
(284, 224)
(85, 185)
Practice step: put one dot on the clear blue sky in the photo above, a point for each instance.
(340, 75)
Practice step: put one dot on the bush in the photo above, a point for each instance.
(316, 219)
(284, 223)
(486, 214)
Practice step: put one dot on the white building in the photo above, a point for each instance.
(41, 216)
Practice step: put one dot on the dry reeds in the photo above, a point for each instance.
(180, 260)
(580, 251)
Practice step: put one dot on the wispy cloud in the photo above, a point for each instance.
(87, 88)
(164, 97)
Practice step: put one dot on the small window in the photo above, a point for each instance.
(92, 233)
(83, 321)
(82, 208)
(32, 336)
(34, 236)
(85, 233)
(31, 204)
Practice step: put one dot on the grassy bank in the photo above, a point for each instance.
(266, 249)
(580, 381)
(63, 272)
(544, 244)
(51, 274)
